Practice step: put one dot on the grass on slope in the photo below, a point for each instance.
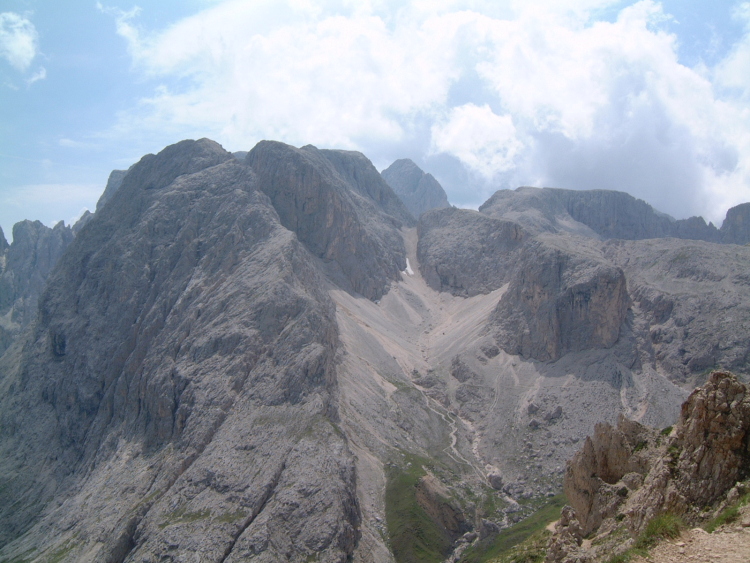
(415, 537)
(664, 526)
(522, 531)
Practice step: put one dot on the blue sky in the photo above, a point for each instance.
(652, 98)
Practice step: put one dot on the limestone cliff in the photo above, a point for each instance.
(419, 191)
(625, 476)
(736, 227)
(339, 207)
(176, 396)
(599, 213)
(24, 268)
(559, 302)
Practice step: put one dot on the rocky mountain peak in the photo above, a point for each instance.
(25, 267)
(184, 358)
(339, 207)
(736, 226)
(418, 190)
(3, 242)
(113, 184)
(596, 213)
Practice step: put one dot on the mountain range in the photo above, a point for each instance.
(285, 355)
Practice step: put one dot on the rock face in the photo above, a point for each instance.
(467, 253)
(113, 184)
(176, 395)
(557, 303)
(339, 207)
(708, 454)
(736, 227)
(261, 358)
(691, 297)
(632, 473)
(420, 192)
(592, 477)
(607, 214)
(24, 268)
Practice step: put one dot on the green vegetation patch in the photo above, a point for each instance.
(728, 515)
(230, 517)
(182, 516)
(414, 536)
(664, 526)
(506, 540)
(61, 552)
(532, 550)
(642, 445)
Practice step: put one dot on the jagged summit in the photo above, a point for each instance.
(183, 362)
(263, 358)
(339, 207)
(736, 226)
(625, 476)
(418, 190)
(609, 215)
(25, 265)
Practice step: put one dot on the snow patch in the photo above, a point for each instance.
(408, 269)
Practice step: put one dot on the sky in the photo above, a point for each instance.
(647, 97)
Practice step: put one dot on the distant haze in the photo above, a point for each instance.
(651, 98)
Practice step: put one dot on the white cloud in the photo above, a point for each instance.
(520, 92)
(487, 143)
(40, 74)
(18, 40)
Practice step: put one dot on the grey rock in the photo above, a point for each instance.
(186, 406)
(24, 268)
(601, 213)
(339, 207)
(419, 191)
(465, 252)
(558, 302)
(113, 184)
(691, 297)
(736, 226)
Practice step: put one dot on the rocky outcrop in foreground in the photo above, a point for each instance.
(626, 476)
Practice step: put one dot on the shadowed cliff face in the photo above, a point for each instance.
(465, 252)
(179, 383)
(558, 302)
(736, 226)
(339, 207)
(24, 268)
(420, 192)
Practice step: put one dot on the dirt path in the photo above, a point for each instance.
(730, 545)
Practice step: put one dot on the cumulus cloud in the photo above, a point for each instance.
(18, 40)
(543, 92)
(485, 142)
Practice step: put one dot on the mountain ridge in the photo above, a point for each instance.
(239, 355)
